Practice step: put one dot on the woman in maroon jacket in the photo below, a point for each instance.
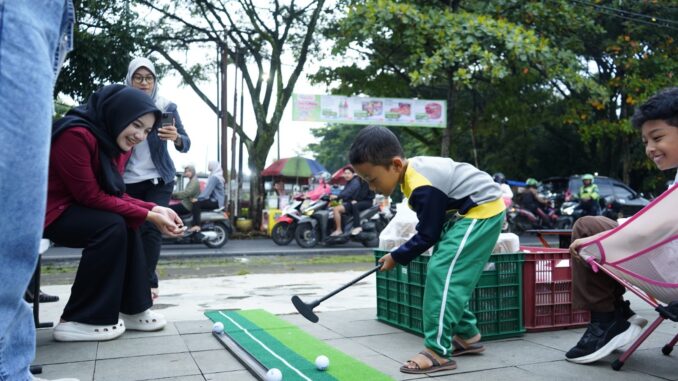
(87, 208)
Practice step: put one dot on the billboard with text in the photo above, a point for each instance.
(364, 110)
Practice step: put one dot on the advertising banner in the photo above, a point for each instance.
(363, 110)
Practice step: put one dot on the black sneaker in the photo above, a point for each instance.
(601, 339)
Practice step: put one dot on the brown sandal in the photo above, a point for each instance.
(435, 365)
(463, 347)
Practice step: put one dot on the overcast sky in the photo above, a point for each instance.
(201, 123)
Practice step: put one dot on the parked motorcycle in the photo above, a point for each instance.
(520, 219)
(570, 212)
(317, 225)
(286, 224)
(215, 228)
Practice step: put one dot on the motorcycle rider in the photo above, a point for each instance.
(534, 202)
(506, 192)
(356, 196)
(186, 196)
(322, 189)
(212, 197)
(506, 195)
(588, 196)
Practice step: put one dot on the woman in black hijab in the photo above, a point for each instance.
(87, 208)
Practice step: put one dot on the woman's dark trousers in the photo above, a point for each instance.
(111, 276)
(159, 194)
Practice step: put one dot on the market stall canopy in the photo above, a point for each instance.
(338, 176)
(294, 167)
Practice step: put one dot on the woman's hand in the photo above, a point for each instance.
(387, 262)
(169, 213)
(168, 132)
(164, 221)
(577, 243)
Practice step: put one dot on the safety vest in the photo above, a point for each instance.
(590, 191)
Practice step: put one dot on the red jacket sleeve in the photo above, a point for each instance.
(77, 162)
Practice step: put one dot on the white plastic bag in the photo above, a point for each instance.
(400, 229)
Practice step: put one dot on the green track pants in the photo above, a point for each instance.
(454, 270)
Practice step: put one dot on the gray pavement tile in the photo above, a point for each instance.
(56, 352)
(563, 370)
(498, 374)
(499, 354)
(140, 347)
(351, 348)
(358, 328)
(83, 371)
(146, 367)
(194, 326)
(669, 327)
(216, 361)
(169, 330)
(201, 342)
(398, 346)
(348, 315)
(184, 378)
(651, 361)
(656, 341)
(43, 337)
(240, 375)
(390, 367)
(562, 339)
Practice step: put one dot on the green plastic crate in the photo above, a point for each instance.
(497, 300)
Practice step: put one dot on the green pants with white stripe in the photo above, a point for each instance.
(454, 270)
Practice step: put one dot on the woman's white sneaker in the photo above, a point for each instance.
(147, 321)
(73, 331)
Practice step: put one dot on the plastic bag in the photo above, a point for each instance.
(400, 229)
(404, 225)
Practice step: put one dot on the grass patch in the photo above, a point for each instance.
(58, 269)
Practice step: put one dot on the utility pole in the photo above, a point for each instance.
(218, 103)
(232, 192)
(242, 146)
(224, 110)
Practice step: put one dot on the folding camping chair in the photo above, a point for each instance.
(642, 255)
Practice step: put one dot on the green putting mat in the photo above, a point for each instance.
(275, 343)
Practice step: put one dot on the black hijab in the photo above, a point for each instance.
(107, 113)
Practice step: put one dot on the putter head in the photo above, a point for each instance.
(304, 309)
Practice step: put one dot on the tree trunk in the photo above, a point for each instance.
(447, 133)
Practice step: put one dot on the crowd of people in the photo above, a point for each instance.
(106, 184)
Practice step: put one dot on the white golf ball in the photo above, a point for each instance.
(218, 328)
(273, 374)
(322, 362)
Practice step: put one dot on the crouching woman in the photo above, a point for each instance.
(87, 208)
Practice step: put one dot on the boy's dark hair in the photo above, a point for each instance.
(375, 145)
(661, 106)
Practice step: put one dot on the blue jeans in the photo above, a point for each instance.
(34, 39)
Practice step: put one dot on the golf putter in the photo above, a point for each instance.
(306, 309)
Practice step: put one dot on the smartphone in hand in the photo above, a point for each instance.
(167, 119)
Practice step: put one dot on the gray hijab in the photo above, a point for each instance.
(137, 63)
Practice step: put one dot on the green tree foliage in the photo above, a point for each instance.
(540, 88)
(258, 40)
(106, 37)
